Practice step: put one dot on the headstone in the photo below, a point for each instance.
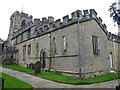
(1, 83)
(37, 67)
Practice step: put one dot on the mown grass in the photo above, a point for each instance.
(64, 79)
(58, 78)
(11, 82)
(19, 68)
(68, 80)
(103, 78)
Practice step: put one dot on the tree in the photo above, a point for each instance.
(115, 13)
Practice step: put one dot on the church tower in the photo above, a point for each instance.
(19, 21)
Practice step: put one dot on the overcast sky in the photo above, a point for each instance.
(55, 8)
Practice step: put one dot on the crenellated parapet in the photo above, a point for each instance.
(113, 37)
(48, 24)
(93, 13)
(39, 27)
(84, 15)
(17, 13)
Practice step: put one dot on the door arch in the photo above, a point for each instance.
(43, 58)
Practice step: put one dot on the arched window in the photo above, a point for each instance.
(29, 49)
(64, 44)
(43, 58)
(24, 52)
(54, 46)
(37, 50)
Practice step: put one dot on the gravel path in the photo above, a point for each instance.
(38, 82)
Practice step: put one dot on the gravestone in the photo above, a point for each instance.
(37, 67)
(1, 83)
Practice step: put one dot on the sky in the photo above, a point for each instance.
(55, 8)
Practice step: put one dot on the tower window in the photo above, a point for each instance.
(21, 38)
(23, 23)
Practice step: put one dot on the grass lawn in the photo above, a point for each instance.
(11, 82)
(68, 80)
(58, 78)
(103, 78)
(64, 79)
(19, 68)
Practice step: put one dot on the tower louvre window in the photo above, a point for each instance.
(21, 38)
(23, 23)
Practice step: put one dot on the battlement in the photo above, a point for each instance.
(87, 14)
(44, 21)
(113, 37)
(84, 15)
(37, 22)
(45, 25)
(17, 13)
(51, 24)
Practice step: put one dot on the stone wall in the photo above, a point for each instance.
(43, 43)
(60, 60)
(90, 61)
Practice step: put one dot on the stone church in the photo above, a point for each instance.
(77, 45)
